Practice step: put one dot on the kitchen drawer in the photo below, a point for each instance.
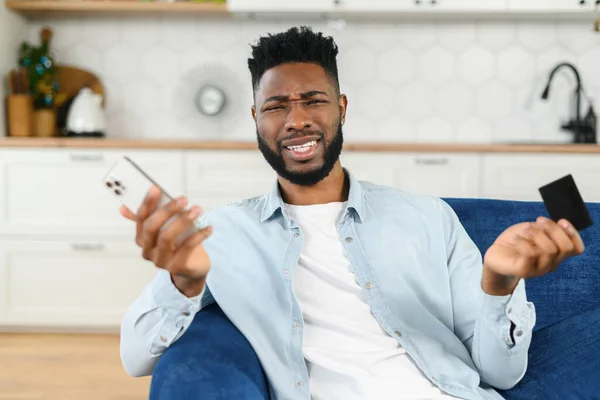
(70, 284)
(518, 176)
(436, 174)
(215, 178)
(59, 191)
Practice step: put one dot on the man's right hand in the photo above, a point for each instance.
(186, 261)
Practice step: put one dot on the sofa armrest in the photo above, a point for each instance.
(211, 361)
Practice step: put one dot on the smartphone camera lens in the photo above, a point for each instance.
(109, 184)
(117, 183)
(117, 192)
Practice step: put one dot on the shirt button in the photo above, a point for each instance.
(519, 332)
(507, 339)
(296, 324)
(163, 338)
(296, 235)
(369, 285)
(348, 239)
(397, 333)
(300, 384)
(286, 272)
(186, 313)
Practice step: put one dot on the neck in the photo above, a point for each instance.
(334, 187)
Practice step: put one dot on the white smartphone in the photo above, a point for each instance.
(130, 184)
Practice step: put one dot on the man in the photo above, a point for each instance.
(345, 289)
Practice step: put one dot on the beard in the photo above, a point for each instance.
(331, 154)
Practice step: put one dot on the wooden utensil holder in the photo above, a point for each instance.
(20, 112)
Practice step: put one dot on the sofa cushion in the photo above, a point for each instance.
(572, 289)
(211, 361)
(564, 362)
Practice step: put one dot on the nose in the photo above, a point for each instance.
(298, 119)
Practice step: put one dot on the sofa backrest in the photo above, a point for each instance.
(572, 289)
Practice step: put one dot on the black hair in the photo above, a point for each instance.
(296, 45)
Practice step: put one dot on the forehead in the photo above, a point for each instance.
(287, 79)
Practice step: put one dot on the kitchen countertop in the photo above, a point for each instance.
(87, 143)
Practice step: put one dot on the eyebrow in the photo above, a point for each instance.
(305, 95)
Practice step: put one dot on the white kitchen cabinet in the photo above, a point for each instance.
(551, 5)
(60, 191)
(467, 5)
(279, 5)
(518, 176)
(69, 283)
(437, 174)
(375, 6)
(215, 178)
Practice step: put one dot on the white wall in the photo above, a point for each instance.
(406, 81)
(13, 29)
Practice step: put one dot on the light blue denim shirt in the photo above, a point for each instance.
(419, 270)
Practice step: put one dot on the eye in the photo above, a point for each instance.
(273, 108)
(311, 102)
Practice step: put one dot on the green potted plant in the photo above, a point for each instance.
(43, 83)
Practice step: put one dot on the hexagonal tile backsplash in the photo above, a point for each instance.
(438, 81)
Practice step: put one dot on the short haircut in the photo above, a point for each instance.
(296, 45)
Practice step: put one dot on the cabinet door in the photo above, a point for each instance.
(375, 6)
(468, 5)
(437, 174)
(279, 6)
(215, 178)
(518, 176)
(60, 191)
(551, 5)
(70, 284)
(441, 175)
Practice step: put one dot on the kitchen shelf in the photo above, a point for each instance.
(108, 143)
(29, 7)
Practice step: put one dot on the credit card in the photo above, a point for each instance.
(563, 201)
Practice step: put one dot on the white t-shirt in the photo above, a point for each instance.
(349, 356)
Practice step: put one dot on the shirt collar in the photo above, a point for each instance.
(274, 202)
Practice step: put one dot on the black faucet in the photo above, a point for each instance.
(584, 129)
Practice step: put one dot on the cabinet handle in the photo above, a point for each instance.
(431, 161)
(88, 246)
(87, 157)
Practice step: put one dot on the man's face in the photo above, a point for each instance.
(298, 116)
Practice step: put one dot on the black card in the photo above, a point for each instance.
(563, 201)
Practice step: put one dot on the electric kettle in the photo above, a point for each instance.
(86, 116)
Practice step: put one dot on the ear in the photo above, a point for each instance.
(254, 113)
(343, 104)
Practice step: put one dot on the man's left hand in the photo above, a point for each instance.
(528, 250)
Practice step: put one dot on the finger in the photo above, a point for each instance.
(155, 222)
(189, 250)
(526, 256)
(166, 242)
(559, 236)
(127, 213)
(578, 246)
(148, 206)
(547, 250)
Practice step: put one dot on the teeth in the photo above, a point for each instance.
(304, 147)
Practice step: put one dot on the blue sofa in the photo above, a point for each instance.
(213, 360)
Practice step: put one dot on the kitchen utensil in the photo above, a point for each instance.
(86, 116)
(19, 113)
